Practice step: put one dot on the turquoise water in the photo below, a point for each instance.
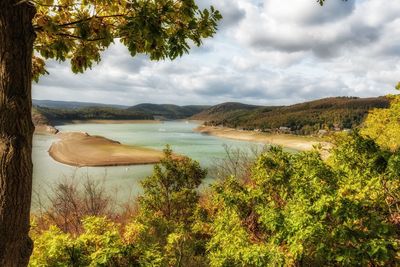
(124, 181)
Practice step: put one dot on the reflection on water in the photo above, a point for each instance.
(125, 181)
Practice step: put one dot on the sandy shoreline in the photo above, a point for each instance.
(44, 129)
(301, 143)
(84, 150)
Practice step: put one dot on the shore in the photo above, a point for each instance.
(301, 143)
(84, 150)
(44, 129)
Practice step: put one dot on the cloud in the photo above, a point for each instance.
(269, 52)
(302, 25)
(306, 13)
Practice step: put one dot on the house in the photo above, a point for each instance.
(284, 129)
(322, 132)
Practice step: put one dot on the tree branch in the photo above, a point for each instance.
(90, 18)
(80, 38)
(82, 20)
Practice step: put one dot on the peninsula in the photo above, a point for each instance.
(84, 150)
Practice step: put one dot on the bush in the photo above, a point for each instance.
(304, 211)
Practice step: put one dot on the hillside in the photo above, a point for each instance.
(304, 118)
(42, 124)
(54, 115)
(168, 111)
(224, 111)
(57, 111)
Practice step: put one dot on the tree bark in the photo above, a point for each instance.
(16, 130)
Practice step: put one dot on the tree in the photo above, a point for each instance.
(383, 125)
(162, 232)
(76, 31)
(100, 244)
(171, 190)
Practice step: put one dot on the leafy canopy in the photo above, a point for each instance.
(78, 31)
(383, 125)
(299, 210)
(99, 245)
(162, 231)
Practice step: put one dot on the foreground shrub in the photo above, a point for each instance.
(100, 244)
(383, 125)
(298, 210)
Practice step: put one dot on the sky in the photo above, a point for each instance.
(270, 52)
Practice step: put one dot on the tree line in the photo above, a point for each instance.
(57, 115)
(306, 118)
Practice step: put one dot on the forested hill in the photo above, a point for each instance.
(57, 115)
(304, 118)
(168, 111)
(52, 112)
(225, 110)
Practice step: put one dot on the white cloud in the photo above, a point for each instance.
(267, 52)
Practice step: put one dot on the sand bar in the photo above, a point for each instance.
(301, 143)
(84, 150)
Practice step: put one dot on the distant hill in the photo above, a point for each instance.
(71, 104)
(224, 111)
(57, 115)
(304, 118)
(168, 111)
(54, 112)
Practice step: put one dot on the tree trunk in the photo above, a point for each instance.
(16, 129)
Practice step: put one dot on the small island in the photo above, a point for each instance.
(84, 150)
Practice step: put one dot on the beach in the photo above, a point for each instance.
(81, 149)
(301, 143)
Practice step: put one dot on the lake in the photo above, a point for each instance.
(124, 181)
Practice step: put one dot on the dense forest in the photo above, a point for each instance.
(269, 208)
(168, 111)
(304, 118)
(60, 111)
(57, 115)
